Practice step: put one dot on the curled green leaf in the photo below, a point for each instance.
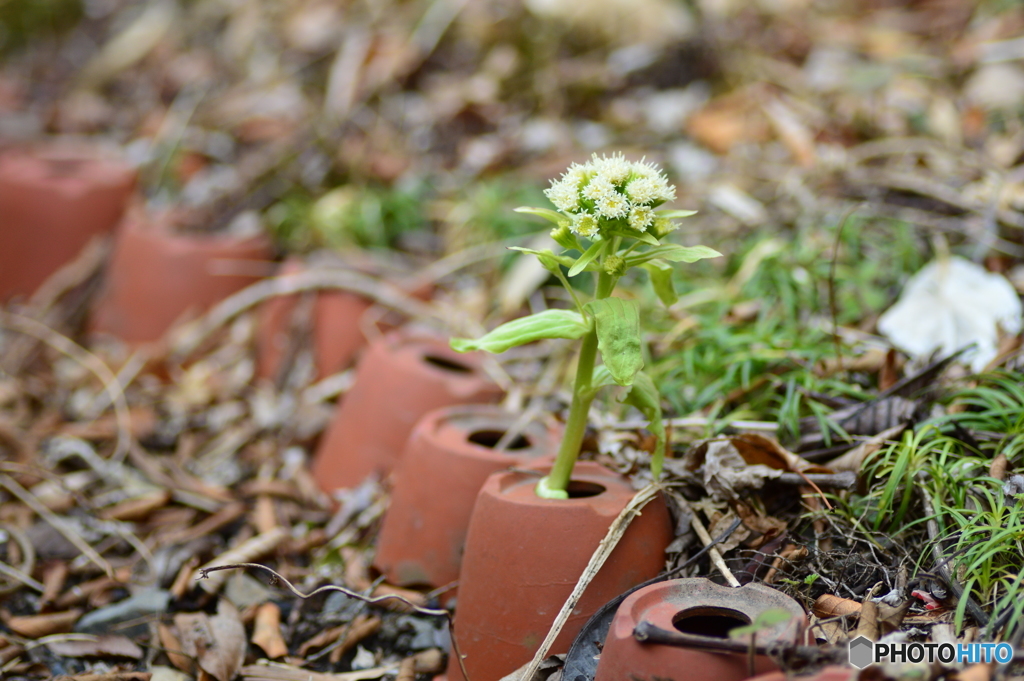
(545, 213)
(588, 257)
(643, 395)
(548, 259)
(548, 324)
(672, 214)
(660, 273)
(617, 323)
(673, 253)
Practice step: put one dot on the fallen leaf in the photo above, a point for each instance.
(267, 631)
(217, 643)
(85, 645)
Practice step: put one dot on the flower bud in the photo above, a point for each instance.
(663, 226)
(564, 237)
(615, 265)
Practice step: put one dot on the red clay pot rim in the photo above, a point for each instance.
(38, 163)
(479, 418)
(164, 225)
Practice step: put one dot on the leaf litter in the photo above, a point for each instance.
(127, 472)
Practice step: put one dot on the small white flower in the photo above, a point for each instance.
(584, 224)
(564, 194)
(643, 190)
(599, 189)
(614, 168)
(615, 205)
(665, 191)
(641, 217)
(644, 169)
(576, 173)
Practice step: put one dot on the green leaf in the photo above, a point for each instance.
(545, 213)
(674, 253)
(672, 214)
(660, 273)
(617, 323)
(547, 324)
(564, 237)
(548, 259)
(643, 395)
(629, 233)
(587, 257)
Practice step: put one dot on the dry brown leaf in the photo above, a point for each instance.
(37, 626)
(172, 646)
(325, 638)
(828, 606)
(216, 642)
(84, 645)
(997, 469)
(868, 625)
(362, 627)
(138, 508)
(854, 459)
(267, 631)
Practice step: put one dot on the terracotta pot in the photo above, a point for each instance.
(158, 273)
(53, 200)
(446, 461)
(693, 606)
(524, 556)
(826, 674)
(398, 379)
(336, 334)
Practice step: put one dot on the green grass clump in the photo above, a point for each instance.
(363, 216)
(980, 526)
(763, 367)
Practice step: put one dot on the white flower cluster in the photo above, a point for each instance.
(610, 188)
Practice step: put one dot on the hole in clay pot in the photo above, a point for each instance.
(578, 489)
(63, 167)
(490, 438)
(447, 364)
(709, 621)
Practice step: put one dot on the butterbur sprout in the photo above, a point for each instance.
(610, 202)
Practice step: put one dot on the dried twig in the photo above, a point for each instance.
(604, 549)
(204, 573)
(705, 538)
(194, 335)
(94, 364)
(56, 522)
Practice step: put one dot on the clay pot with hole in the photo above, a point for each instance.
(399, 378)
(693, 606)
(335, 333)
(525, 554)
(53, 200)
(446, 461)
(160, 274)
(338, 323)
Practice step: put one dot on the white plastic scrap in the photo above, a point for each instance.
(950, 304)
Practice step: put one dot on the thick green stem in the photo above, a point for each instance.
(557, 482)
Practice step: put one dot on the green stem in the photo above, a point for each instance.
(556, 484)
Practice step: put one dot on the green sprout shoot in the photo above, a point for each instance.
(606, 213)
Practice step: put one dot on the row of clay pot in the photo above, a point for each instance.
(55, 198)
(461, 509)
